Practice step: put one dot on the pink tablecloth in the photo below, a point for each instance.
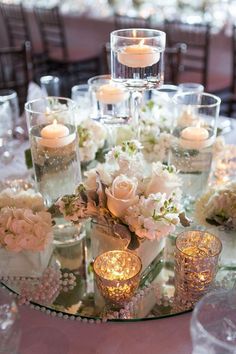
(43, 334)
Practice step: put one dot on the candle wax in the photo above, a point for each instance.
(138, 56)
(111, 94)
(195, 138)
(55, 135)
(54, 130)
(195, 133)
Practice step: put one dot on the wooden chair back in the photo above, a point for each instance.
(173, 61)
(229, 103)
(16, 71)
(16, 23)
(124, 21)
(52, 31)
(197, 39)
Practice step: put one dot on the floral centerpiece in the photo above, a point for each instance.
(133, 200)
(92, 136)
(25, 233)
(216, 210)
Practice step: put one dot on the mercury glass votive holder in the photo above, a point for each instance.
(196, 261)
(54, 146)
(117, 275)
(137, 57)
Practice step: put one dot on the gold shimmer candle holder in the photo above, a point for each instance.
(117, 275)
(196, 260)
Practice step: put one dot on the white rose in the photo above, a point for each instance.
(162, 181)
(121, 195)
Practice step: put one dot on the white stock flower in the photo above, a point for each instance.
(163, 179)
(92, 137)
(153, 217)
(121, 195)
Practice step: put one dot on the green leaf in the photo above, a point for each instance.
(28, 159)
(134, 242)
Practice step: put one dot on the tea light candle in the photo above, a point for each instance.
(195, 138)
(138, 55)
(111, 94)
(55, 135)
(117, 275)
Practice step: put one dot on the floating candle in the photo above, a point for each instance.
(138, 55)
(55, 135)
(195, 138)
(111, 94)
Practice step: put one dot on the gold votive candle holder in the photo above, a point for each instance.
(196, 261)
(117, 275)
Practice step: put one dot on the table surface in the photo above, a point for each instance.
(43, 334)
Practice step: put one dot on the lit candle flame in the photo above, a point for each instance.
(141, 43)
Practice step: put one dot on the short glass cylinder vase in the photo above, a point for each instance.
(137, 57)
(151, 254)
(10, 325)
(54, 146)
(110, 101)
(104, 239)
(110, 105)
(213, 324)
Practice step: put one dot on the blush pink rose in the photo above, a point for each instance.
(121, 195)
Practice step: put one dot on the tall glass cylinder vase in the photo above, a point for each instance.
(137, 61)
(54, 149)
(194, 134)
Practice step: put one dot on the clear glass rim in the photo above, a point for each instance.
(47, 78)
(134, 255)
(196, 320)
(69, 100)
(6, 94)
(199, 232)
(156, 33)
(190, 84)
(79, 86)
(205, 94)
(97, 77)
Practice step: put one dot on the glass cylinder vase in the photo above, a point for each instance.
(137, 57)
(194, 134)
(54, 146)
(54, 150)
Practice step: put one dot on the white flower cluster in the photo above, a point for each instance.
(155, 125)
(218, 206)
(24, 222)
(92, 137)
(145, 197)
(28, 199)
(23, 229)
